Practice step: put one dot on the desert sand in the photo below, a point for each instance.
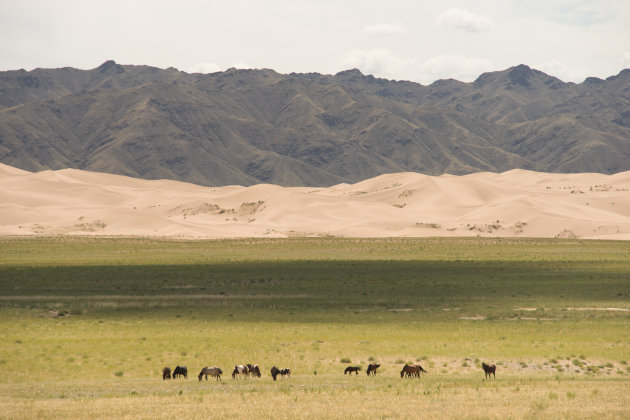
(516, 203)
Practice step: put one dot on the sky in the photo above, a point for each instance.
(422, 41)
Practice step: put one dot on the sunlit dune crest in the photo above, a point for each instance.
(516, 203)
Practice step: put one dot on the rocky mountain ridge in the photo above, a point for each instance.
(258, 126)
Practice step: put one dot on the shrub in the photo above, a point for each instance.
(593, 369)
(345, 360)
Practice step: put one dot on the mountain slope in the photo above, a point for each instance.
(258, 126)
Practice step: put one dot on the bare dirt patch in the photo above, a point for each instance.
(598, 309)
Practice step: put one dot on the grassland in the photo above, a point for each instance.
(87, 325)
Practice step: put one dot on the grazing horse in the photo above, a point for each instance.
(274, 372)
(180, 371)
(212, 371)
(254, 370)
(282, 372)
(240, 370)
(166, 373)
(489, 370)
(351, 369)
(411, 370)
(372, 368)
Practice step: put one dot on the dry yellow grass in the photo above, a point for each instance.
(322, 397)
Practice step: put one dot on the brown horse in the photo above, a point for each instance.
(411, 370)
(212, 371)
(372, 368)
(351, 369)
(489, 370)
(166, 373)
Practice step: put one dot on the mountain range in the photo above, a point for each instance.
(249, 127)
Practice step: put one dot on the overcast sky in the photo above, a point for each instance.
(412, 40)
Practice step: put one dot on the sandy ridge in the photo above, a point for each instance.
(516, 203)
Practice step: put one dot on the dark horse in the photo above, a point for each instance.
(254, 370)
(283, 372)
(166, 373)
(351, 369)
(411, 370)
(180, 371)
(489, 370)
(372, 368)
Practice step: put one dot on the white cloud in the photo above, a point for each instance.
(456, 18)
(204, 68)
(207, 67)
(582, 12)
(241, 66)
(382, 63)
(386, 64)
(386, 29)
(465, 69)
(558, 69)
(625, 61)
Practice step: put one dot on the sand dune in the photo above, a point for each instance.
(517, 203)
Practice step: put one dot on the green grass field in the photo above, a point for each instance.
(87, 325)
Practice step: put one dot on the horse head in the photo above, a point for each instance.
(402, 372)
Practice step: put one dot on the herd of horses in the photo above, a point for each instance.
(216, 372)
(408, 371)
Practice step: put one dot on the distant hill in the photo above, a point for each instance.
(258, 126)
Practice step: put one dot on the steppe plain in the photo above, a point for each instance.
(104, 280)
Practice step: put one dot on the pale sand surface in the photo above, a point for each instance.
(516, 203)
